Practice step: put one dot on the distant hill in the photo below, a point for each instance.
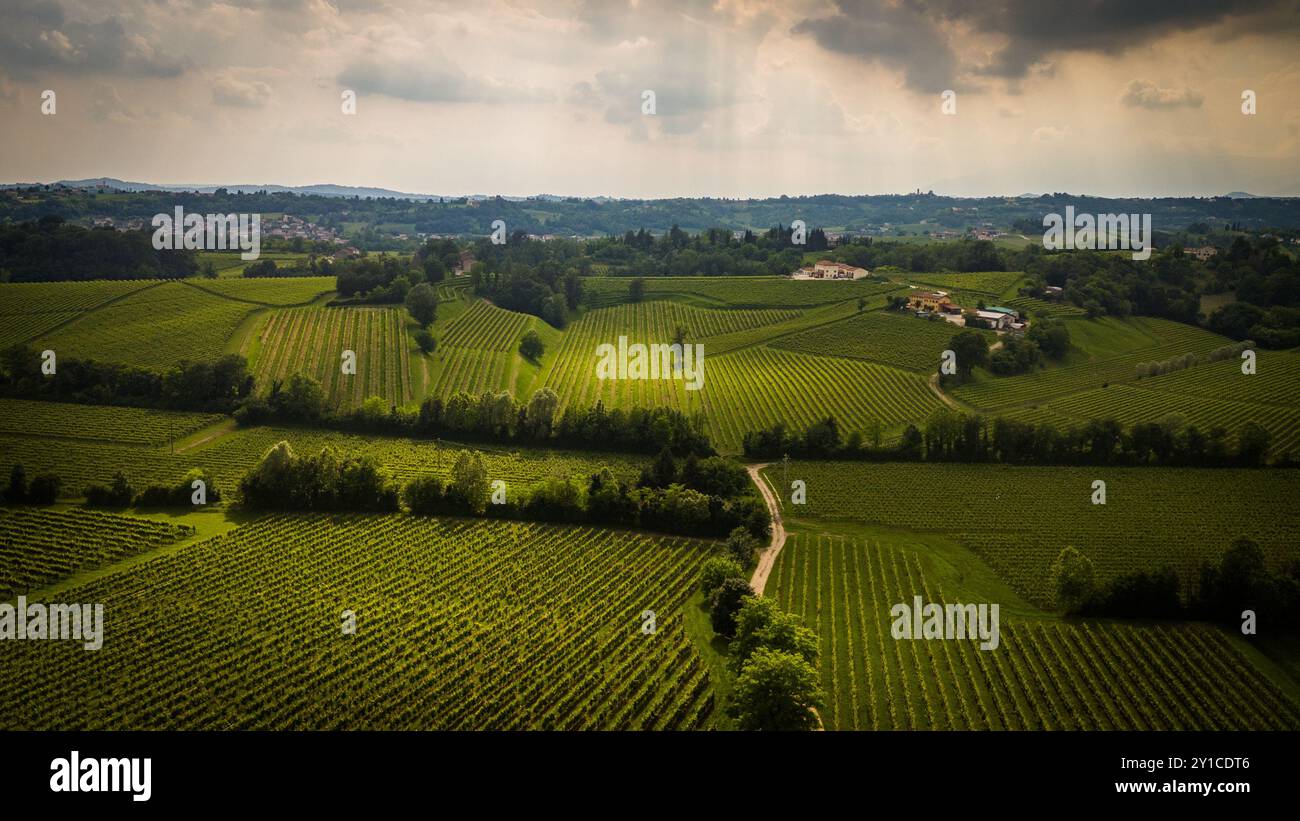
(323, 190)
(881, 215)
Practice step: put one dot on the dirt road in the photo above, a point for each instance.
(767, 558)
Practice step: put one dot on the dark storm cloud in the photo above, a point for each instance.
(911, 35)
(905, 37)
(36, 35)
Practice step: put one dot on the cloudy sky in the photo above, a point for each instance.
(1111, 97)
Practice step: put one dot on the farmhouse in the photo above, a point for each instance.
(827, 269)
(998, 309)
(928, 300)
(1204, 252)
(994, 320)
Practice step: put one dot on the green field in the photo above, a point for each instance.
(459, 625)
(901, 340)
(747, 388)
(1145, 340)
(1044, 675)
(154, 327)
(98, 423)
(30, 309)
(1019, 518)
(228, 457)
(735, 292)
(313, 340)
(988, 283)
(268, 291)
(39, 546)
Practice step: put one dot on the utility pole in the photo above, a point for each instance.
(785, 472)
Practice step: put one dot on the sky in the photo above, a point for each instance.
(750, 99)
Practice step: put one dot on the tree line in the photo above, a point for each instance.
(219, 386)
(495, 417)
(1241, 581)
(48, 250)
(707, 497)
(953, 436)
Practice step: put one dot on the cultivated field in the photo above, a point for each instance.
(229, 457)
(895, 339)
(748, 388)
(1159, 340)
(1045, 675)
(459, 625)
(278, 291)
(154, 327)
(1019, 518)
(137, 426)
(736, 292)
(38, 546)
(312, 341)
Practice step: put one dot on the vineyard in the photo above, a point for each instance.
(312, 341)
(98, 423)
(38, 547)
(277, 291)
(1019, 518)
(1167, 340)
(744, 390)
(889, 338)
(228, 458)
(1131, 404)
(485, 327)
(758, 387)
(26, 298)
(1044, 675)
(30, 309)
(735, 292)
(155, 327)
(1029, 306)
(459, 625)
(988, 283)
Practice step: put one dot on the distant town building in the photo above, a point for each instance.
(826, 269)
(466, 262)
(1204, 252)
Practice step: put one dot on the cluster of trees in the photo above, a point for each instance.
(218, 386)
(1045, 339)
(41, 490)
(48, 249)
(531, 276)
(1240, 581)
(283, 480)
(197, 488)
(313, 266)
(1265, 277)
(603, 499)
(953, 436)
(771, 653)
(711, 504)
